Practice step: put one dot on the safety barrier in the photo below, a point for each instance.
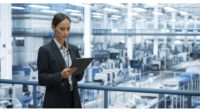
(106, 89)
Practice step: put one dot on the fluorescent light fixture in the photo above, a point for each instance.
(116, 16)
(183, 13)
(110, 10)
(18, 8)
(39, 6)
(75, 14)
(137, 9)
(116, 5)
(71, 10)
(169, 9)
(49, 11)
(157, 13)
(78, 4)
(19, 38)
(97, 14)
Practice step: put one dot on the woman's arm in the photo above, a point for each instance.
(44, 76)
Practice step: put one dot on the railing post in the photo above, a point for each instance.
(105, 98)
(189, 102)
(34, 96)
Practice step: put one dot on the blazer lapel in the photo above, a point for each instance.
(71, 52)
(57, 53)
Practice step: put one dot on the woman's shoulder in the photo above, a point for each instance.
(45, 47)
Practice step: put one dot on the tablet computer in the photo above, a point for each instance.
(81, 64)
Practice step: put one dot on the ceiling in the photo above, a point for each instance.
(192, 10)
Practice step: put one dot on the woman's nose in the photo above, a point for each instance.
(66, 32)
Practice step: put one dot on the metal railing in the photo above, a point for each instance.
(188, 94)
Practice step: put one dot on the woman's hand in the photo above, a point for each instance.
(65, 73)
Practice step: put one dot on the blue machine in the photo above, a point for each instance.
(189, 75)
(183, 80)
(25, 100)
(16, 68)
(91, 95)
(39, 97)
(95, 70)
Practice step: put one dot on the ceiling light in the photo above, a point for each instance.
(78, 4)
(71, 10)
(75, 14)
(39, 6)
(137, 9)
(116, 5)
(183, 13)
(18, 8)
(49, 11)
(169, 9)
(110, 10)
(116, 16)
(19, 38)
(98, 14)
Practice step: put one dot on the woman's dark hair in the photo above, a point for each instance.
(58, 18)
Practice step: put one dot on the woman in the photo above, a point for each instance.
(54, 71)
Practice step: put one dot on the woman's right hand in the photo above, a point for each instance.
(65, 73)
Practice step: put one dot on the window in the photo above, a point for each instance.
(19, 41)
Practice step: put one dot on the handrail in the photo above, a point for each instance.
(111, 88)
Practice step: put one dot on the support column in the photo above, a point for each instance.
(129, 41)
(105, 20)
(6, 41)
(195, 27)
(155, 43)
(87, 32)
(165, 46)
(165, 37)
(185, 31)
(173, 39)
(106, 38)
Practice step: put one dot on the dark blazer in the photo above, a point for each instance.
(50, 63)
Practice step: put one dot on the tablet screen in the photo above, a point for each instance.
(81, 64)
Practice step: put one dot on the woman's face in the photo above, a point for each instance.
(62, 30)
